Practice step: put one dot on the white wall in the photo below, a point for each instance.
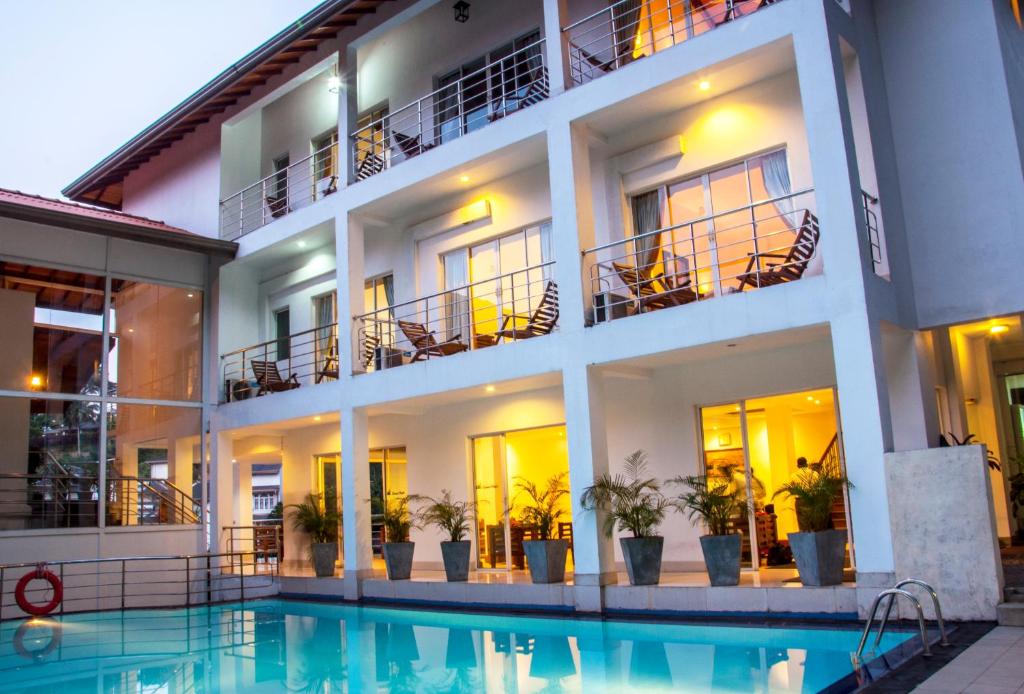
(240, 153)
(292, 121)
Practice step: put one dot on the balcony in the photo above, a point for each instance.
(285, 363)
(629, 30)
(767, 243)
(514, 306)
(503, 86)
(291, 187)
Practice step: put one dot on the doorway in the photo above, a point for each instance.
(389, 481)
(501, 462)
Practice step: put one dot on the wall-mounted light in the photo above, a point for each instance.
(999, 329)
(461, 11)
(334, 82)
(704, 85)
(35, 382)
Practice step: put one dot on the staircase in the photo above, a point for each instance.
(1010, 612)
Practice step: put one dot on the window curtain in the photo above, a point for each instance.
(626, 16)
(776, 181)
(646, 218)
(326, 333)
(456, 303)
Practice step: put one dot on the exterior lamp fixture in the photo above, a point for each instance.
(999, 329)
(334, 82)
(35, 382)
(704, 85)
(461, 11)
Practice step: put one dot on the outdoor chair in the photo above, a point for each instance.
(278, 205)
(369, 165)
(329, 366)
(791, 265)
(269, 378)
(410, 144)
(425, 343)
(676, 285)
(541, 322)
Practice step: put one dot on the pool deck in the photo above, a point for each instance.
(771, 592)
(992, 665)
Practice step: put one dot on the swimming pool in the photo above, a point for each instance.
(278, 645)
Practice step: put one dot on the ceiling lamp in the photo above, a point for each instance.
(461, 11)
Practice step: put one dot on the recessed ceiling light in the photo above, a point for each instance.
(190, 295)
(704, 85)
(489, 389)
(464, 178)
(131, 330)
(317, 418)
(301, 244)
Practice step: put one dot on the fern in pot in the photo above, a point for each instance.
(819, 549)
(321, 523)
(396, 548)
(632, 502)
(715, 505)
(454, 519)
(540, 508)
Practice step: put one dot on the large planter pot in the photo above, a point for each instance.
(722, 557)
(819, 556)
(546, 559)
(398, 559)
(643, 559)
(324, 554)
(456, 560)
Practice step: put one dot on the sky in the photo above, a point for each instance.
(81, 77)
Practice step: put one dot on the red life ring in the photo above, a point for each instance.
(48, 576)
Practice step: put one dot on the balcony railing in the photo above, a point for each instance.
(149, 501)
(629, 30)
(515, 306)
(469, 103)
(304, 358)
(295, 186)
(766, 243)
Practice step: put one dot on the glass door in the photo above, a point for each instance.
(388, 482)
(491, 497)
(328, 472)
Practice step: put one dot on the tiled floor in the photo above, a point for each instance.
(993, 665)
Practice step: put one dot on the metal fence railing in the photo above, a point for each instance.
(296, 185)
(141, 582)
(763, 244)
(264, 541)
(499, 88)
(628, 30)
(304, 358)
(149, 501)
(514, 306)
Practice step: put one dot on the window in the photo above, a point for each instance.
(488, 87)
(280, 180)
(707, 226)
(282, 331)
(325, 154)
(325, 316)
(371, 142)
(388, 481)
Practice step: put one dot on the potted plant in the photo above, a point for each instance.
(396, 548)
(321, 524)
(819, 549)
(715, 503)
(633, 503)
(452, 518)
(544, 555)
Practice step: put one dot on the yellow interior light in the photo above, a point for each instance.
(999, 329)
(704, 85)
(489, 389)
(36, 381)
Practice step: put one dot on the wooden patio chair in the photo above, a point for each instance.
(565, 533)
(278, 205)
(269, 378)
(791, 265)
(370, 345)
(425, 343)
(674, 288)
(369, 165)
(329, 367)
(410, 144)
(541, 322)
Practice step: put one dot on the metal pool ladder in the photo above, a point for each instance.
(896, 592)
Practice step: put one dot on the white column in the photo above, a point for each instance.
(221, 490)
(355, 504)
(556, 53)
(572, 221)
(348, 112)
(348, 232)
(241, 483)
(911, 388)
(856, 335)
(593, 552)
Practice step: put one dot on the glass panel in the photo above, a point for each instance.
(691, 244)
(157, 334)
(724, 460)
(787, 433)
(707, 14)
(377, 500)
(329, 484)
(370, 142)
(151, 455)
(396, 472)
(734, 231)
(449, 123)
(535, 456)
(489, 483)
(474, 95)
(53, 323)
(456, 304)
(57, 442)
(776, 222)
(483, 265)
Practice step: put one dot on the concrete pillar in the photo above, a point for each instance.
(348, 235)
(556, 48)
(355, 504)
(572, 221)
(348, 113)
(588, 458)
(856, 335)
(241, 484)
(221, 491)
(911, 388)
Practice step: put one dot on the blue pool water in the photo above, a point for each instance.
(277, 646)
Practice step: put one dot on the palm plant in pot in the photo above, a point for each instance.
(319, 521)
(453, 518)
(819, 549)
(632, 502)
(715, 503)
(540, 511)
(396, 548)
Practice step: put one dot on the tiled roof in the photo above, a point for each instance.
(41, 203)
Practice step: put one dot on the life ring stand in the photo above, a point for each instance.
(37, 653)
(41, 572)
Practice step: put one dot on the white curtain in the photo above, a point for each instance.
(456, 303)
(326, 329)
(776, 181)
(646, 218)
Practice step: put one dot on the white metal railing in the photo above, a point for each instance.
(297, 185)
(628, 30)
(514, 306)
(501, 87)
(304, 358)
(762, 244)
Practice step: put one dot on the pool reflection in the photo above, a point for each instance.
(305, 647)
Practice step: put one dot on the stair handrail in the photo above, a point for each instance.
(944, 641)
(894, 592)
